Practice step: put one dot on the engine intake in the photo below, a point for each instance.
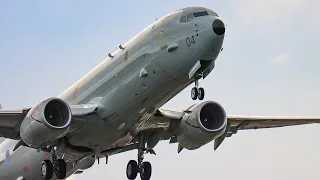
(57, 114)
(212, 117)
(45, 122)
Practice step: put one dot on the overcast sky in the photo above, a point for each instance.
(269, 66)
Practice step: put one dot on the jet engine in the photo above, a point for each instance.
(201, 124)
(45, 122)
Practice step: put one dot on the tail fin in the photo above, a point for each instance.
(0, 106)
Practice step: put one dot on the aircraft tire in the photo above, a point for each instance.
(200, 93)
(62, 169)
(194, 93)
(47, 169)
(147, 170)
(132, 169)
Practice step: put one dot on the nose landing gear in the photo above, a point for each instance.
(197, 93)
(57, 166)
(143, 168)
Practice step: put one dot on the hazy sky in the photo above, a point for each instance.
(269, 66)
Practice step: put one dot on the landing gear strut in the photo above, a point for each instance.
(57, 166)
(143, 168)
(197, 93)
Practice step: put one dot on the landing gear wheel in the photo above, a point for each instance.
(132, 169)
(47, 169)
(200, 93)
(194, 93)
(61, 171)
(146, 171)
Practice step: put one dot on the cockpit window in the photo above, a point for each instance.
(189, 17)
(198, 14)
(212, 13)
(186, 18)
(183, 19)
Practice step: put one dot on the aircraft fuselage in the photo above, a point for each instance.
(130, 85)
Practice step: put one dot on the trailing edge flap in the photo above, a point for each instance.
(83, 109)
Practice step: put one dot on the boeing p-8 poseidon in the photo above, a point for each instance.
(119, 101)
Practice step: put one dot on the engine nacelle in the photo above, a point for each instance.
(201, 124)
(86, 162)
(45, 122)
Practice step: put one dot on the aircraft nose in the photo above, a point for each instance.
(218, 27)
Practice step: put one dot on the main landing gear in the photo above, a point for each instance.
(57, 166)
(143, 168)
(197, 93)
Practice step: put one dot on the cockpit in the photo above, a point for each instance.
(195, 12)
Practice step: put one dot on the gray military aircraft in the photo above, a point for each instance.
(119, 101)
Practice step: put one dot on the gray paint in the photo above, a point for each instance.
(125, 100)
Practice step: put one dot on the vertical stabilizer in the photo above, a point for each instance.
(0, 106)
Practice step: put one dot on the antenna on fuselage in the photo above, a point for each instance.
(121, 47)
(110, 56)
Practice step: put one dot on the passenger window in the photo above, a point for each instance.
(189, 17)
(183, 19)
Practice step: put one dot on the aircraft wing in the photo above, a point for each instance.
(166, 122)
(259, 122)
(10, 120)
(262, 122)
(163, 117)
(238, 122)
(169, 120)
